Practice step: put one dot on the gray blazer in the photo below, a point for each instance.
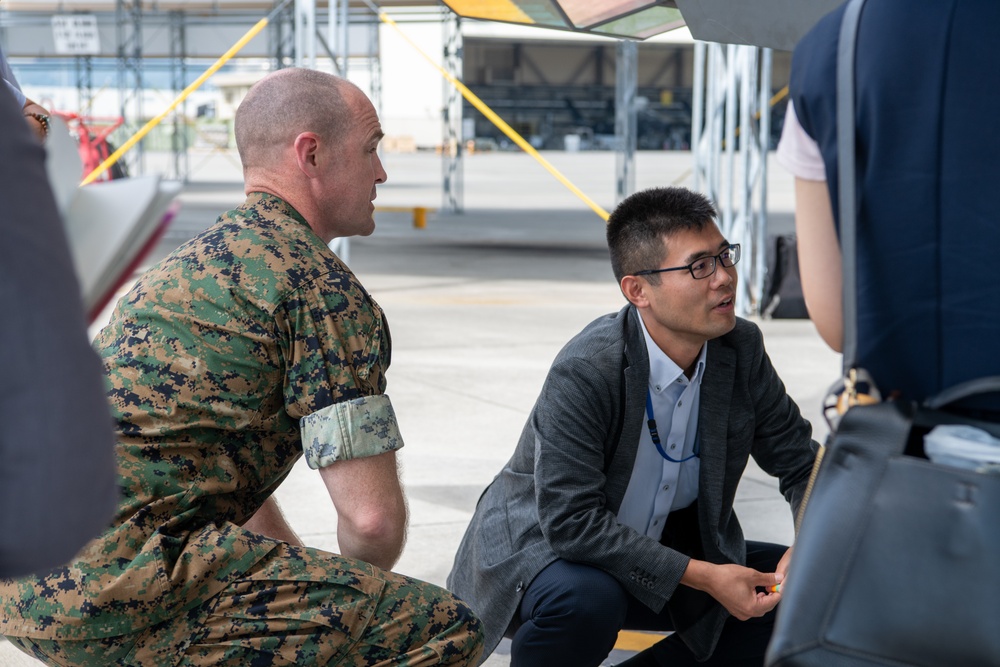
(559, 494)
(57, 446)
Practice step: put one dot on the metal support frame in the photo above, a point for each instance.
(338, 24)
(730, 131)
(337, 46)
(138, 27)
(282, 37)
(344, 40)
(84, 66)
(332, 40)
(626, 133)
(128, 16)
(178, 77)
(453, 171)
(305, 33)
(375, 65)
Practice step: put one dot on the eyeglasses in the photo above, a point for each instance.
(703, 267)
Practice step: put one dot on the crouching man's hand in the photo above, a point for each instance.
(735, 587)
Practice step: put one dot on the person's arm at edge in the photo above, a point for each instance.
(818, 246)
(28, 106)
(37, 127)
(351, 441)
(371, 510)
(819, 260)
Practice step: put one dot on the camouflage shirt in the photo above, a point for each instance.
(246, 347)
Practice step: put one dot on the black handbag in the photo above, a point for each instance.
(897, 559)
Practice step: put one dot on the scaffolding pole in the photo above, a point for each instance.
(128, 17)
(626, 131)
(375, 65)
(452, 149)
(178, 74)
(305, 33)
(84, 66)
(344, 40)
(729, 138)
(282, 37)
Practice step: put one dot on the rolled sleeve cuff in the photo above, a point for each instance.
(350, 430)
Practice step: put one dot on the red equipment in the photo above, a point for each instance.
(91, 133)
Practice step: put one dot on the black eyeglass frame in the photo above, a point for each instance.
(716, 260)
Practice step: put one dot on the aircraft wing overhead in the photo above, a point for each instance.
(776, 24)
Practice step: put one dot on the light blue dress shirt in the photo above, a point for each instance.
(658, 486)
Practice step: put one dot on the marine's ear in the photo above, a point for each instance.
(306, 153)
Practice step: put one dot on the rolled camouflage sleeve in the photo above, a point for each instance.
(352, 429)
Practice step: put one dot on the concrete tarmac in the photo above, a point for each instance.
(478, 305)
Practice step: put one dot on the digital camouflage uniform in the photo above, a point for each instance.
(245, 348)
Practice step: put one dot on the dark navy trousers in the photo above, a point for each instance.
(570, 615)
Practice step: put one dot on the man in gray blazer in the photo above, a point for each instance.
(616, 509)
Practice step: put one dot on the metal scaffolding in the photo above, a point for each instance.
(128, 16)
(143, 33)
(306, 32)
(338, 30)
(626, 129)
(452, 177)
(731, 91)
(281, 34)
(375, 66)
(84, 67)
(729, 139)
(178, 81)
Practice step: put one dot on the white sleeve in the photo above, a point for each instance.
(797, 152)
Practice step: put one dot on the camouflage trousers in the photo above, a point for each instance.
(298, 606)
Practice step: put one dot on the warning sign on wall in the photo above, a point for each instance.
(76, 34)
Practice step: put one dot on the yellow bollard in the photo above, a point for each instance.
(419, 217)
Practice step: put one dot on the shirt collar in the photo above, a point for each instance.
(271, 207)
(663, 371)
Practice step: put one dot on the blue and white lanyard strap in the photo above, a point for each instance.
(651, 425)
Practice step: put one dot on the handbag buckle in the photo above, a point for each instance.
(856, 388)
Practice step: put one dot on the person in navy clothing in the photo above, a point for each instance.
(928, 157)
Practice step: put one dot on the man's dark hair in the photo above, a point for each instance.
(638, 226)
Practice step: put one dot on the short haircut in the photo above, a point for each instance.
(285, 104)
(638, 226)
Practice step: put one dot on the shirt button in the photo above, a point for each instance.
(680, 403)
(656, 522)
(658, 387)
(666, 487)
(673, 446)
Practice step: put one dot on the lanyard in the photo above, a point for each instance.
(651, 425)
